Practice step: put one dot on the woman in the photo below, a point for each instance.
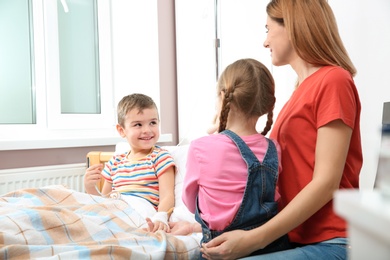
(319, 135)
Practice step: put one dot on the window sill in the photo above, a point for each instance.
(65, 139)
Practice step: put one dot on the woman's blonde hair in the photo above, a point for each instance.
(313, 31)
(247, 85)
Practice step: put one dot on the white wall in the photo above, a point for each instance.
(135, 48)
(364, 27)
(195, 66)
(143, 56)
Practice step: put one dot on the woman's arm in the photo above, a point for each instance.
(330, 156)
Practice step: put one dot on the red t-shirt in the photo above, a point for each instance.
(326, 95)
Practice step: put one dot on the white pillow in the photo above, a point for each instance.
(122, 147)
(179, 154)
(180, 211)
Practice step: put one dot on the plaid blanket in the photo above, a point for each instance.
(54, 222)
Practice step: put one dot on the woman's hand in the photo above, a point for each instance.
(229, 245)
(91, 177)
(184, 228)
(180, 228)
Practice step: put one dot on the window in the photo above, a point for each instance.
(16, 63)
(50, 77)
(77, 50)
(69, 46)
(78, 46)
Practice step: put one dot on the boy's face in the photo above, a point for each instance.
(141, 129)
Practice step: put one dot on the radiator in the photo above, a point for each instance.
(70, 175)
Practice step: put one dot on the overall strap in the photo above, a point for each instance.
(270, 155)
(245, 151)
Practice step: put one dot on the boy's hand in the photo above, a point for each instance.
(91, 177)
(158, 225)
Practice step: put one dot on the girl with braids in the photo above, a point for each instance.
(231, 176)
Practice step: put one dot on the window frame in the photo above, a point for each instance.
(55, 119)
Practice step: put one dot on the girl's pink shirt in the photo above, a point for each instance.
(217, 173)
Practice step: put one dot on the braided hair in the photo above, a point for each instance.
(249, 86)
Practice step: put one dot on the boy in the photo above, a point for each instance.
(146, 173)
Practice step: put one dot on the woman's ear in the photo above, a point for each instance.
(120, 130)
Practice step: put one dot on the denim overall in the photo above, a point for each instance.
(258, 203)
